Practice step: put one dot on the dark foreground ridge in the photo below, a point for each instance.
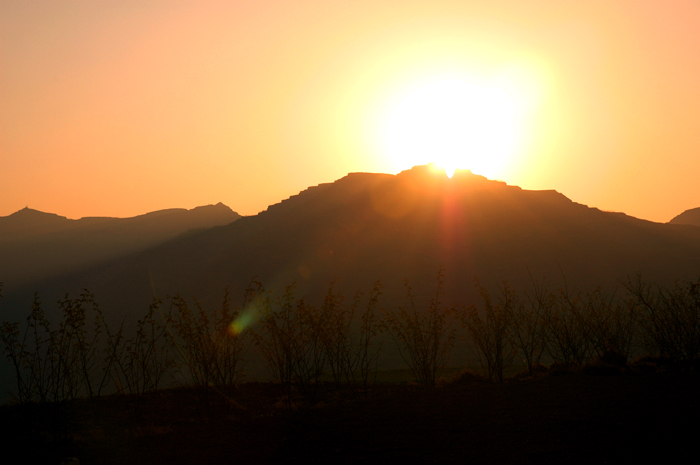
(578, 417)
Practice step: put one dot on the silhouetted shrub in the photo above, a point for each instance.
(140, 363)
(567, 337)
(529, 326)
(367, 351)
(56, 364)
(669, 318)
(351, 355)
(206, 343)
(609, 324)
(424, 338)
(290, 341)
(493, 335)
(336, 336)
(593, 332)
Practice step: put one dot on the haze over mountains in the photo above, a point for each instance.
(367, 227)
(35, 246)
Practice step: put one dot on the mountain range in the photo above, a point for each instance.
(36, 246)
(366, 227)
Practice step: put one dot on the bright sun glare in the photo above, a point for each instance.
(455, 124)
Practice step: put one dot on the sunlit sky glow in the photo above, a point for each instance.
(454, 123)
(116, 108)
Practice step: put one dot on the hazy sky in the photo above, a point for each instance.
(116, 108)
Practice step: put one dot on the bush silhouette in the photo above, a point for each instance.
(424, 338)
(494, 334)
(207, 346)
(81, 356)
(669, 318)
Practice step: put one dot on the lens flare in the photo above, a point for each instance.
(248, 316)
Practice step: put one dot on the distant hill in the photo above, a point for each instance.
(691, 216)
(35, 245)
(366, 227)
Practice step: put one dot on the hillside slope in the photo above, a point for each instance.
(691, 216)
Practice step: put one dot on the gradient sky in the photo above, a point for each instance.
(117, 108)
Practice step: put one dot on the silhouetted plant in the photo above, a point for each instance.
(368, 350)
(44, 369)
(669, 318)
(610, 324)
(80, 346)
(582, 326)
(493, 334)
(275, 340)
(291, 343)
(567, 330)
(310, 359)
(206, 343)
(424, 338)
(300, 342)
(351, 352)
(140, 363)
(13, 349)
(529, 330)
(56, 364)
(336, 335)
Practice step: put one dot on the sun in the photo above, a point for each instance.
(453, 123)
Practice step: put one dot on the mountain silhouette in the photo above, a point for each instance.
(35, 245)
(366, 227)
(691, 216)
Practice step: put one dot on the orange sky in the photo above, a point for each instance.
(116, 108)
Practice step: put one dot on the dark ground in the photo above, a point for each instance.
(571, 418)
